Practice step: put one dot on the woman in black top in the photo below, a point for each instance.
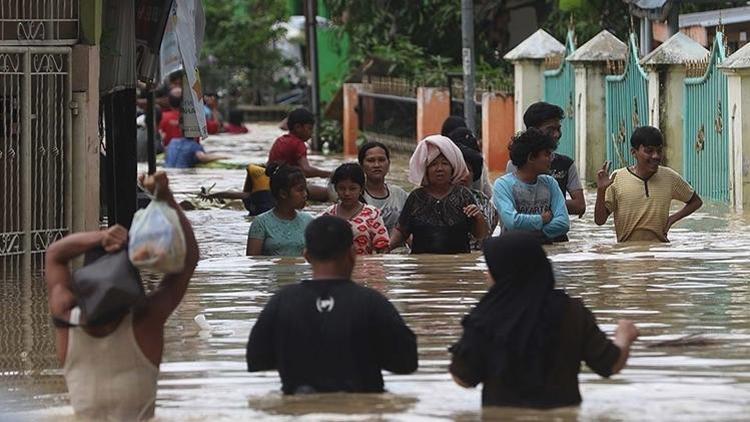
(440, 214)
(525, 340)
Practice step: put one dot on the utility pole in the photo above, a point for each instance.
(311, 24)
(467, 38)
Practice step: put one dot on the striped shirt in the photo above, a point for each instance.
(641, 206)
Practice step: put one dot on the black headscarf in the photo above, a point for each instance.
(463, 136)
(514, 328)
(474, 161)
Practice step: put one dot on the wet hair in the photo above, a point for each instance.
(175, 101)
(350, 171)
(452, 123)
(529, 142)
(368, 146)
(300, 116)
(176, 76)
(647, 136)
(235, 117)
(463, 136)
(540, 112)
(474, 161)
(328, 238)
(283, 177)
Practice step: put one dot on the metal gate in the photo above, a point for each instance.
(706, 142)
(35, 154)
(626, 101)
(559, 89)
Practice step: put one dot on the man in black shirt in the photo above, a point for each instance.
(330, 334)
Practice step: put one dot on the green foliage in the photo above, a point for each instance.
(239, 39)
(589, 18)
(331, 132)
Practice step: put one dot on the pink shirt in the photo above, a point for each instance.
(370, 233)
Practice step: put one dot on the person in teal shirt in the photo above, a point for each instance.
(528, 199)
(281, 230)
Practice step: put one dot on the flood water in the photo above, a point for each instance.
(698, 285)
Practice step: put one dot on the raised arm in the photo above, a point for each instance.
(165, 298)
(603, 182)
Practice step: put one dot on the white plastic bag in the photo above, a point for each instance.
(156, 241)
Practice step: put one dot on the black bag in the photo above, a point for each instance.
(107, 287)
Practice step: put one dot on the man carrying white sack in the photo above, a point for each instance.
(111, 359)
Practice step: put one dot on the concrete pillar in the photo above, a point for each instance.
(589, 62)
(528, 63)
(737, 69)
(433, 107)
(666, 90)
(85, 131)
(351, 118)
(497, 129)
(591, 127)
(528, 87)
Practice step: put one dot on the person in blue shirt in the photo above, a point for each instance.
(529, 199)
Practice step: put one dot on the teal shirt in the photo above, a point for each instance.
(280, 237)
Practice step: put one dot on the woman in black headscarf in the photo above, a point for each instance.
(525, 340)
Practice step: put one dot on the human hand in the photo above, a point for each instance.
(157, 184)
(626, 331)
(114, 238)
(603, 179)
(472, 211)
(546, 217)
(670, 222)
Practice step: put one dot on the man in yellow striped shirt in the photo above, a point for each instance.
(640, 195)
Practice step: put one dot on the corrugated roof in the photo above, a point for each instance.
(677, 49)
(713, 17)
(604, 46)
(538, 46)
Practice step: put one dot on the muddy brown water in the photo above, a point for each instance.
(697, 285)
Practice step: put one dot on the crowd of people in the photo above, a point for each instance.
(525, 339)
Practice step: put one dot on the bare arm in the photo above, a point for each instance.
(625, 335)
(603, 181)
(310, 171)
(690, 207)
(479, 225)
(398, 237)
(165, 298)
(204, 157)
(576, 205)
(254, 247)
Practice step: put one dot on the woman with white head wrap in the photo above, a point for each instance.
(440, 214)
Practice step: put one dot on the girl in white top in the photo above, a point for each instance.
(375, 160)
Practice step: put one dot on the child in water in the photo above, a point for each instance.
(370, 233)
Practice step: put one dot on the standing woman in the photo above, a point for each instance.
(440, 214)
(280, 231)
(375, 160)
(370, 233)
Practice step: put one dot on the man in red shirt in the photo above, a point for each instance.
(169, 127)
(291, 149)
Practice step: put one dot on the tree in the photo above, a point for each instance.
(238, 49)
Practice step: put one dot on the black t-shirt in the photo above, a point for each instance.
(580, 340)
(331, 335)
(437, 225)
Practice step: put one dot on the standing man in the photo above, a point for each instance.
(548, 118)
(529, 199)
(640, 195)
(111, 366)
(329, 333)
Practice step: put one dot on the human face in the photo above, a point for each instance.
(552, 128)
(376, 164)
(303, 131)
(439, 171)
(349, 192)
(297, 196)
(648, 156)
(540, 164)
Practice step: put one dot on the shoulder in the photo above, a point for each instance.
(306, 217)
(264, 217)
(547, 179)
(370, 211)
(397, 191)
(670, 173)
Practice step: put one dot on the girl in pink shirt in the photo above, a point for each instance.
(370, 233)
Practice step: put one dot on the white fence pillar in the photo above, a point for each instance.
(528, 62)
(737, 68)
